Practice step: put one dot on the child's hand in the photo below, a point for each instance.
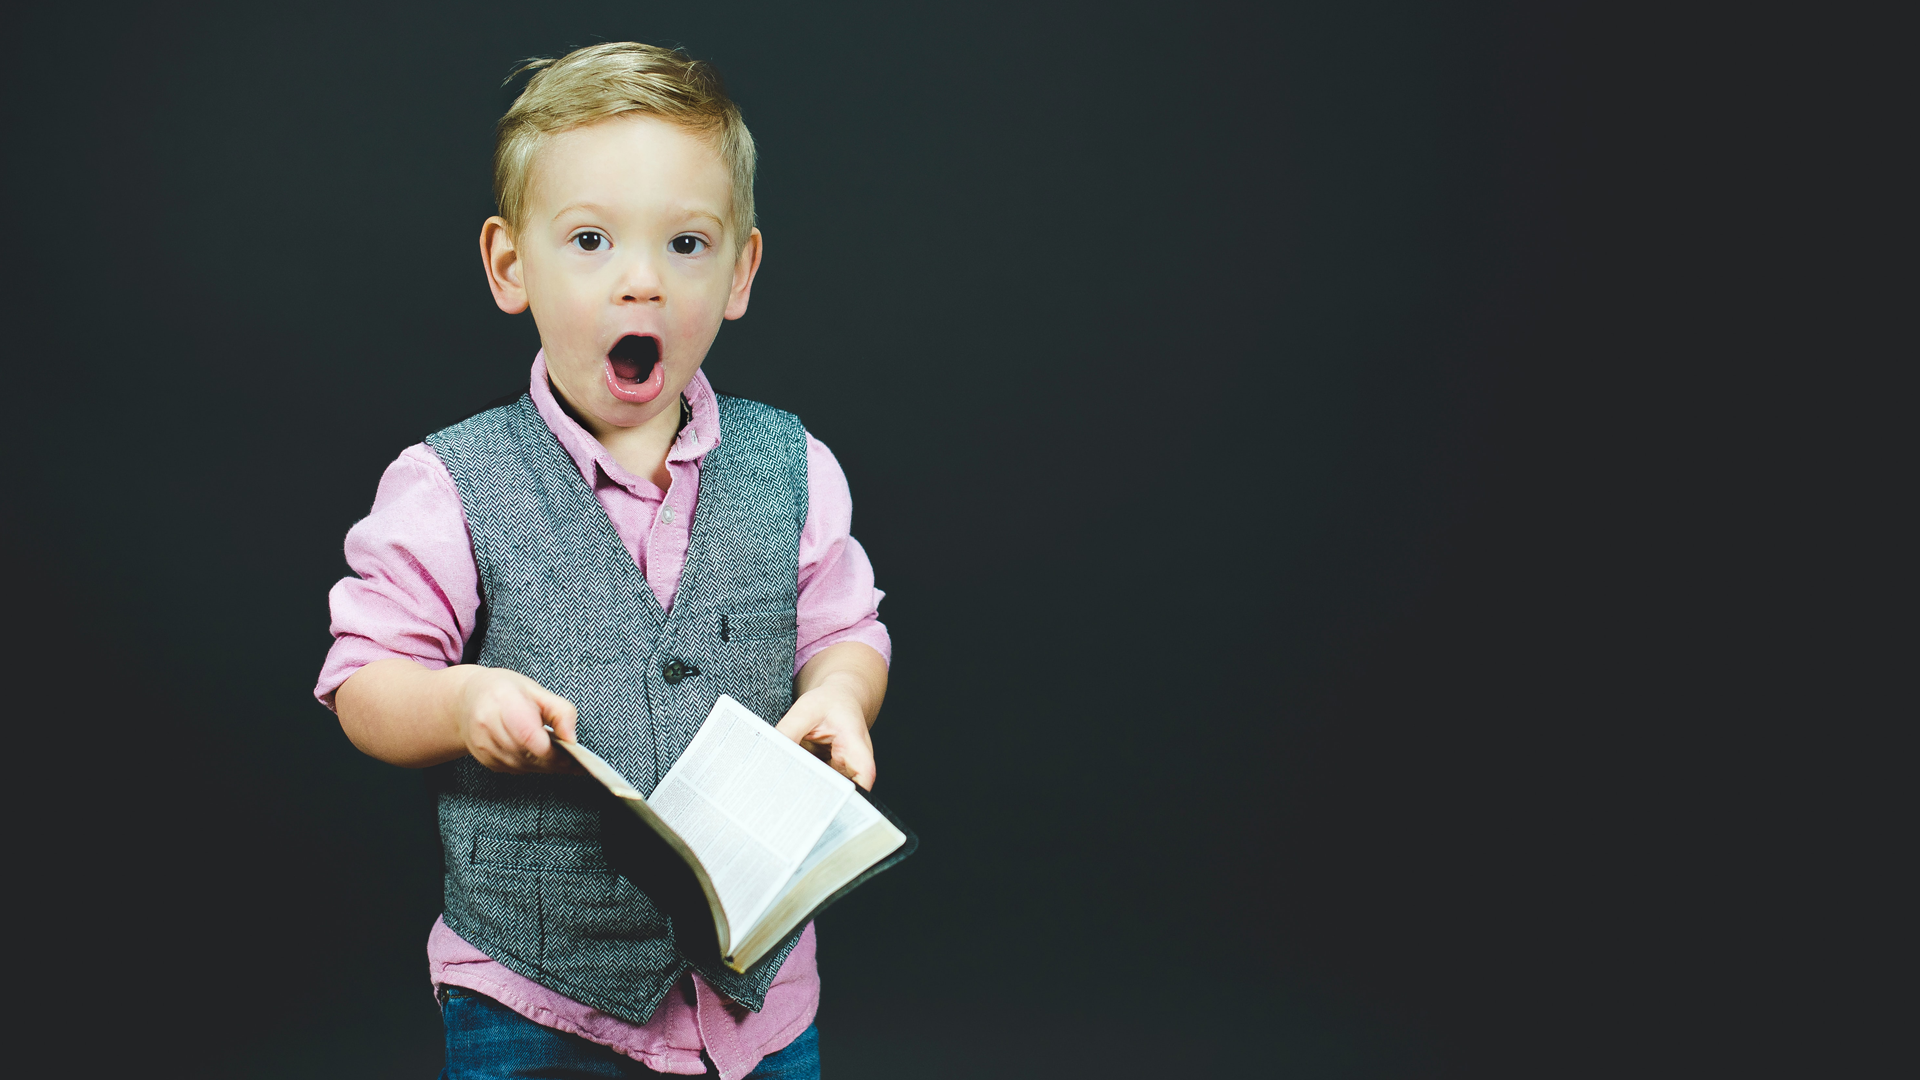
(502, 717)
(840, 693)
(406, 714)
(829, 721)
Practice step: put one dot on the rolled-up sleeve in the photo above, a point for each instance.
(416, 590)
(837, 599)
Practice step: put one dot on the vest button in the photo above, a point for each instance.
(675, 670)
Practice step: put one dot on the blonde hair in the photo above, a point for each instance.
(613, 79)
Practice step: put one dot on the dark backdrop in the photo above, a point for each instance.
(1218, 386)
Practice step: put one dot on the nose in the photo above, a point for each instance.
(640, 282)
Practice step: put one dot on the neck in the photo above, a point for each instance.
(641, 449)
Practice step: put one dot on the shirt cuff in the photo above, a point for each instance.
(869, 631)
(349, 654)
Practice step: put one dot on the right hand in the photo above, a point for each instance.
(503, 716)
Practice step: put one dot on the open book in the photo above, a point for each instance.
(772, 833)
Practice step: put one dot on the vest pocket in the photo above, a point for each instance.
(528, 855)
(559, 907)
(758, 672)
(750, 625)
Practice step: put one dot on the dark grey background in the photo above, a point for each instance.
(1253, 414)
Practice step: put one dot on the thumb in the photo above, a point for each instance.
(860, 767)
(795, 725)
(558, 713)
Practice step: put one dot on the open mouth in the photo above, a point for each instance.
(634, 370)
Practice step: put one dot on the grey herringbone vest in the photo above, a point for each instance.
(527, 880)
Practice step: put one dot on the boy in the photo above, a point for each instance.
(604, 557)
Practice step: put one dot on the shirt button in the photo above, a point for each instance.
(666, 514)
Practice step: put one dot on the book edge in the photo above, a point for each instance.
(886, 862)
(615, 783)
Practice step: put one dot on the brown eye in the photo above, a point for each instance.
(590, 241)
(686, 245)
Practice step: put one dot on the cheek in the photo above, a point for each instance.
(577, 298)
(699, 319)
(575, 317)
(694, 330)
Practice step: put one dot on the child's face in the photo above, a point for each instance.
(623, 256)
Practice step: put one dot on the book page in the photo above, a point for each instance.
(854, 817)
(751, 804)
(859, 837)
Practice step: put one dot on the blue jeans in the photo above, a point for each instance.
(488, 1041)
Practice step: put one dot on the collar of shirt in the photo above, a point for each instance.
(700, 436)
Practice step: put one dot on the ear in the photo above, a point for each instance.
(503, 266)
(745, 265)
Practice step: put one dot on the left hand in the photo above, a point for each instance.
(830, 721)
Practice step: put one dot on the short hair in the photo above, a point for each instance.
(613, 79)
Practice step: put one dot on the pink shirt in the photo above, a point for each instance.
(416, 597)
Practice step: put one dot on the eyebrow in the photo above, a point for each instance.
(596, 208)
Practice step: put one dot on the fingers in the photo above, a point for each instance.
(797, 723)
(849, 753)
(510, 715)
(519, 737)
(837, 734)
(854, 760)
(563, 718)
(558, 713)
(507, 731)
(538, 750)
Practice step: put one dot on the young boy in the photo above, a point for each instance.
(606, 556)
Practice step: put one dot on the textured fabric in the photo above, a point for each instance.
(415, 594)
(565, 604)
(415, 591)
(486, 1040)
